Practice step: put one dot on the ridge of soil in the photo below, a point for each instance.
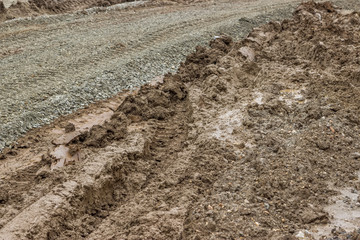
(248, 140)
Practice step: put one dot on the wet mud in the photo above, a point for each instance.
(253, 139)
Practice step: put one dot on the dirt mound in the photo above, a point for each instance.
(248, 140)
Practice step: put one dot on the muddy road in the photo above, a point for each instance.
(250, 139)
(52, 65)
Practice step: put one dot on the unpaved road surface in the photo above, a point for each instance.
(247, 140)
(52, 65)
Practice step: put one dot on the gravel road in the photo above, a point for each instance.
(53, 65)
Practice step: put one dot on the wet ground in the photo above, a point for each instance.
(255, 139)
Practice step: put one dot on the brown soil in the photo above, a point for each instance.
(248, 140)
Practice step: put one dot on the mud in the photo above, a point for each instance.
(248, 140)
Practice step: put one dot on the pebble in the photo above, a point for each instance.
(355, 155)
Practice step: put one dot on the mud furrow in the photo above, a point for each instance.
(95, 187)
(119, 174)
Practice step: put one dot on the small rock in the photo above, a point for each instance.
(244, 211)
(197, 176)
(347, 200)
(69, 128)
(244, 19)
(337, 231)
(240, 145)
(323, 145)
(300, 235)
(248, 53)
(318, 15)
(43, 172)
(355, 155)
(4, 196)
(310, 216)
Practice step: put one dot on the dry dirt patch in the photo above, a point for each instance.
(248, 140)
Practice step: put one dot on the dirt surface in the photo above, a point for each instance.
(53, 65)
(248, 140)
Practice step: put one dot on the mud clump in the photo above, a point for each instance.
(69, 128)
(249, 139)
(154, 103)
(150, 104)
(2, 8)
(99, 136)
